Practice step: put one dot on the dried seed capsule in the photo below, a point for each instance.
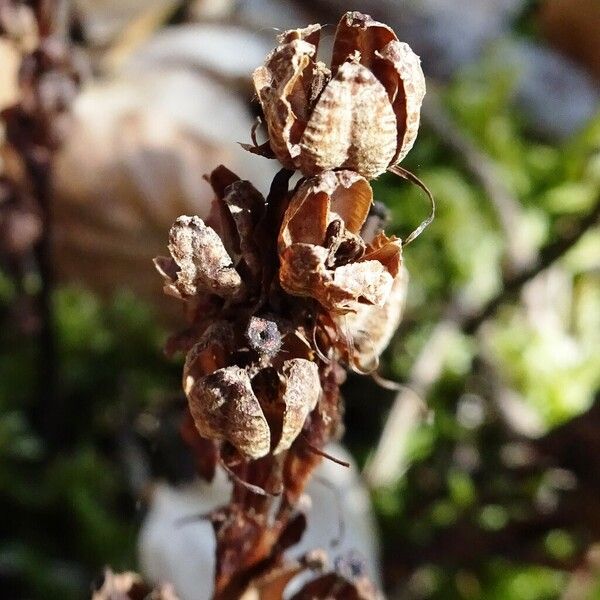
(320, 250)
(302, 392)
(264, 336)
(363, 115)
(224, 407)
(332, 196)
(199, 264)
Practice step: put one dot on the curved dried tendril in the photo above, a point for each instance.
(406, 174)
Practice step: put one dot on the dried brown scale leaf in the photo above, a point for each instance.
(204, 264)
(302, 391)
(225, 407)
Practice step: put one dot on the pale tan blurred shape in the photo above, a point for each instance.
(135, 160)
(9, 65)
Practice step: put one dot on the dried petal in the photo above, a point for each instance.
(407, 96)
(246, 206)
(359, 33)
(371, 327)
(302, 391)
(204, 265)
(318, 201)
(386, 250)
(284, 90)
(209, 354)
(303, 272)
(352, 125)
(366, 281)
(224, 406)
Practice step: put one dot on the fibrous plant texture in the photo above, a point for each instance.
(284, 293)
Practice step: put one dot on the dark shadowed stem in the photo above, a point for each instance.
(49, 412)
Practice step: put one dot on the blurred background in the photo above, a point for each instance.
(484, 472)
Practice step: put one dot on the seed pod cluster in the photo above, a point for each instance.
(239, 386)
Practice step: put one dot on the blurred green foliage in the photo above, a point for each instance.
(71, 512)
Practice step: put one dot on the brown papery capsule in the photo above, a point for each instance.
(200, 263)
(321, 252)
(370, 328)
(362, 114)
(224, 407)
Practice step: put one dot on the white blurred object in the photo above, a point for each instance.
(226, 50)
(183, 554)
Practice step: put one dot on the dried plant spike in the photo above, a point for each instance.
(362, 115)
(204, 264)
(224, 407)
(302, 391)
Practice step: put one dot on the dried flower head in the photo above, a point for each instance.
(200, 262)
(361, 114)
(322, 254)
